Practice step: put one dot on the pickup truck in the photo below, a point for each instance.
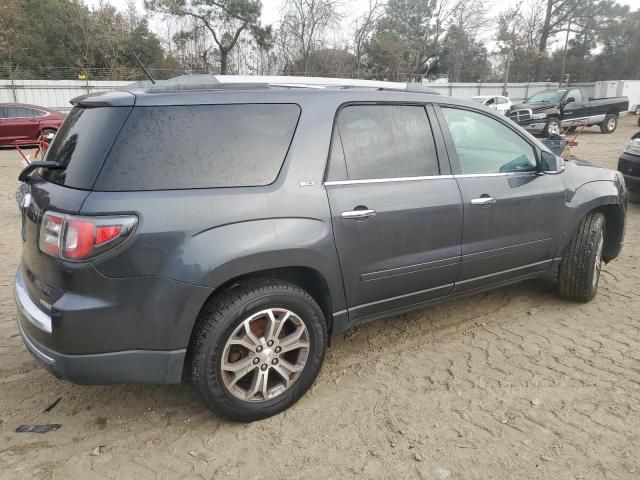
(549, 111)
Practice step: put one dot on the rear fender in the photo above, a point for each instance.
(216, 256)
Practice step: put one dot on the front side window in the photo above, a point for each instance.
(484, 145)
(383, 141)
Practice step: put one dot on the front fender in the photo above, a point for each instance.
(602, 194)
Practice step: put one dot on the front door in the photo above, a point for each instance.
(397, 220)
(3, 125)
(574, 113)
(510, 208)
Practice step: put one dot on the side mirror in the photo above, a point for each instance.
(551, 164)
(570, 100)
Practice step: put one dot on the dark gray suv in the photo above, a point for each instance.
(222, 234)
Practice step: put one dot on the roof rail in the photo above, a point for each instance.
(246, 82)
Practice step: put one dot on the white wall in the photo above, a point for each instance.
(51, 93)
(57, 93)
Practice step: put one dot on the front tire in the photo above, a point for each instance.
(552, 127)
(579, 271)
(609, 124)
(258, 349)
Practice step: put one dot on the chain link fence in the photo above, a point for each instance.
(56, 86)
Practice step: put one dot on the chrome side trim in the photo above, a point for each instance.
(28, 308)
(386, 180)
(501, 174)
(574, 121)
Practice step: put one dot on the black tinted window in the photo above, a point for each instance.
(386, 141)
(20, 112)
(82, 143)
(200, 146)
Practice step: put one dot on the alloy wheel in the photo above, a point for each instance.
(265, 355)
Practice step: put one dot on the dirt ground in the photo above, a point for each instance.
(511, 384)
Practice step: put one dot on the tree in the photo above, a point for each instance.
(386, 54)
(225, 20)
(411, 24)
(304, 22)
(463, 56)
(363, 28)
(557, 14)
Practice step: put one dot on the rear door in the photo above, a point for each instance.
(396, 210)
(511, 219)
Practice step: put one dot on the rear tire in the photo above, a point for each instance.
(47, 131)
(609, 124)
(579, 271)
(236, 328)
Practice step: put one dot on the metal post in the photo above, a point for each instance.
(13, 84)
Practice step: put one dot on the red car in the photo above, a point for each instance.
(22, 122)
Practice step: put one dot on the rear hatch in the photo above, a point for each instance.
(80, 146)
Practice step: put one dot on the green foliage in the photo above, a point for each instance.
(65, 39)
(225, 20)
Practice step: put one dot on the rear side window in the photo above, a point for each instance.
(200, 146)
(383, 141)
(82, 143)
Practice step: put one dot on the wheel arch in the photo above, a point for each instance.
(309, 279)
(614, 230)
(603, 197)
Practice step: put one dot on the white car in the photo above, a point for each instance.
(497, 102)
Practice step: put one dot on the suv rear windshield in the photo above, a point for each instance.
(82, 143)
(200, 146)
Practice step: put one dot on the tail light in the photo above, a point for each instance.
(78, 238)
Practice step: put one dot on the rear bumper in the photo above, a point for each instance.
(138, 366)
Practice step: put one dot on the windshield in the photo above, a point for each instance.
(479, 99)
(547, 96)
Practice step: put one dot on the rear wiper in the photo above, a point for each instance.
(35, 165)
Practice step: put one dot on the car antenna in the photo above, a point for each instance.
(146, 72)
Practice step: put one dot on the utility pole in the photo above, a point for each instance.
(564, 55)
(505, 79)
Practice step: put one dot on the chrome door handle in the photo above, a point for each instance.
(484, 201)
(357, 214)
